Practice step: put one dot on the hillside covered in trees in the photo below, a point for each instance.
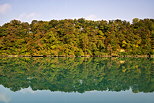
(78, 37)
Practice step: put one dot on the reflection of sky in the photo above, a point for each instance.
(30, 96)
(4, 98)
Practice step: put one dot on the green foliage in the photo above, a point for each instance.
(77, 37)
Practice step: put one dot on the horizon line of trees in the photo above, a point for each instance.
(77, 37)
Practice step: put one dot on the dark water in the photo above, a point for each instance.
(76, 80)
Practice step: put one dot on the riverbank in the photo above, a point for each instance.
(147, 56)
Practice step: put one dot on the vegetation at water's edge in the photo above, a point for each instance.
(78, 74)
(78, 37)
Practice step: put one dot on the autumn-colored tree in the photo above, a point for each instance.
(78, 37)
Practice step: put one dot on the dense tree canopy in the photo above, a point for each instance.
(78, 37)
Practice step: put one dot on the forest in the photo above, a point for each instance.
(78, 74)
(77, 37)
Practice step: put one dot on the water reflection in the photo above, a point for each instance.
(77, 74)
(4, 98)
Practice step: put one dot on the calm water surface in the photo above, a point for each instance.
(76, 80)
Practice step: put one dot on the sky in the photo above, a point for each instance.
(46, 10)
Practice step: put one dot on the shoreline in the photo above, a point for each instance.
(143, 56)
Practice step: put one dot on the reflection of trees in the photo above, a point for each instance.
(77, 74)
